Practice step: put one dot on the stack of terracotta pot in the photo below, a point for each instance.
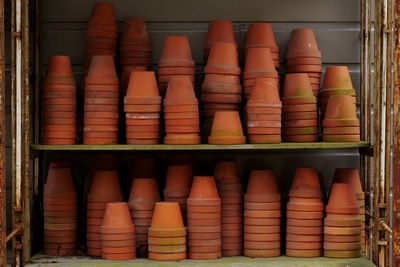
(60, 211)
(135, 46)
(261, 35)
(263, 113)
(101, 33)
(101, 102)
(337, 81)
(117, 233)
(352, 177)
(221, 90)
(262, 214)
(177, 185)
(204, 219)
(105, 188)
(231, 193)
(340, 123)
(259, 64)
(167, 234)
(219, 31)
(142, 105)
(176, 60)
(181, 112)
(342, 225)
(59, 103)
(305, 211)
(143, 196)
(303, 56)
(226, 129)
(300, 114)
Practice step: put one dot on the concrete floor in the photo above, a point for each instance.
(80, 261)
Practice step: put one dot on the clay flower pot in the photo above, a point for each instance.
(142, 88)
(180, 91)
(102, 13)
(262, 182)
(179, 178)
(59, 179)
(135, 32)
(144, 168)
(144, 190)
(117, 215)
(102, 71)
(337, 77)
(167, 216)
(259, 63)
(350, 176)
(340, 107)
(223, 59)
(176, 52)
(219, 31)
(342, 199)
(297, 85)
(261, 35)
(203, 187)
(226, 172)
(226, 129)
(106, 183)
(306, 183)
(60, 67)
(302, 43)
(264, 91)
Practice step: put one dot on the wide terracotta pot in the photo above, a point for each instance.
(203, 187)
(259, 63)
(337, 77)
(180, 92)
(306, 184)
(219, 31)
(226, 129)
(223, 59)
(176, 52)
(102, 71)
(342, 199)
(302, 43)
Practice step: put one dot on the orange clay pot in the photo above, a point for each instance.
(116, 215)
(262, 187)
(176, 52)
(220, 31)
(135, 32)
(337, 77)
(342, 199)
(226, 129)
(103, 13)
(259, 63)
(223, 59)
(144, 190)
(59, 180)
(104, 184)
(102, 71)
(297, 85)
(167, 216)
(226, 172)
(60, 67)
(142, 88)
(264, 94)
(340, 111)
(306, 184)
(180, 92)
(179, 178)
(350, 176)
(302, 43)
(261, 35)
(203, 187)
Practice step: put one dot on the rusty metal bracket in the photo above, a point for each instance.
(18, 230)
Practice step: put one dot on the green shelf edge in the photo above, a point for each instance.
(124, 147)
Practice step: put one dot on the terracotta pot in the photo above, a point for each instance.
(226, 172)
(142, 88)
(264, 94)
(219, 31)
(226, 129)
(303, 238)
(342, 199)
(312, 253)
(261, 253)
(297, 85)
(135, 32)
(144, 191)
(59, 180)
(180, 92)
(103, 13)
(259, 63)
(167, 217)
(337, 77)
(106, 183)
(176, 52)
(223, 59)
(102, 71)
(331, 230)
(203, 187)
(303, 245)
(182, 139)
(59, 67)
(305, 215)
(305, 183)
(342, 254)
(341, 238)
(261, 35)
(116, 215)
(179, 179)
(263, 182)
(167, 256)
(262, 206)
(302, 43)
(204, 256)
(340, 112)
(350, 176)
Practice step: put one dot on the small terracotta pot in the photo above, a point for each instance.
(263, 182)
(102, 71)
(116, 215)
(226, 172)
(341, 238)
(340, 107)
(144, 194)
(179, 177)
(297, 85)
(304, 238)
(106, 183)
(337, 77)
(180, 92)
(312, 253)
(262, 237)
(261, 253)
(219, 31)
(102, 13)
(167, 256)
(342, 199)
(305, 215)
(259, 63)
(226, 129)
(303, 245)
(331, 230)
(60, 67)
(302, 43)
(203, 187)
(305, 183)
(135, 32)
(261, 35)
(167, 217)
(342, 254)
(59, 179)
(223, 59)
(176, 52)
(142, 88)
(350, 176)
(264, 94)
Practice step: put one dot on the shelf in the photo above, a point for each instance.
(281, 146)
(41, 260)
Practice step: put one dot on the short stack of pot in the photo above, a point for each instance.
(117, 235)
(176, 60)
(219, 31)
(305, 212)
(230, 191)
(60, 211)
(264, 113)
(337, 81)
(261, 35)
(300, 116)
(135, 46)
(221, 89)
(262, 216)
(59, 103)
(204, 219)
(142, 107)
(342, 224)
(101, 33)
(105, 188)
(226, 129)
(101, 102)
(259, 64)
(181, 113)
(340, 123)
(177, 185)
(352, 177)
(167, 234)
(303, 56)
(143, 196)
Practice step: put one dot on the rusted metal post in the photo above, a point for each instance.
(3, 215)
